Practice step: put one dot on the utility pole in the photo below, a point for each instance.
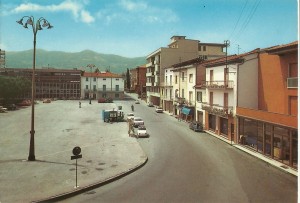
(239, 49)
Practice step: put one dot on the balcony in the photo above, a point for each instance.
(217, 84)
(149, 84)
(224, 111)
(149, 74)
(180, 100)
(149, 64)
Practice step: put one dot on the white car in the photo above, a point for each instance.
(142, 132)
(130, 116)
(137, 121)
(159, 109)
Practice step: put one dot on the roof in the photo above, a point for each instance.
(282, 49)
(101, 75)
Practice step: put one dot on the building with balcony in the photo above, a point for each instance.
(50, 83)
(267, 103)
(102, 85)
(180, 49)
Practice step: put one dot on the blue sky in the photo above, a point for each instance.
(134, 28)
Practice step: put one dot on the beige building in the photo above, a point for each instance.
(179, 50)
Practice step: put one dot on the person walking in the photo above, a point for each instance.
(132, 108)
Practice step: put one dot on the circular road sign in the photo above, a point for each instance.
(76, 151)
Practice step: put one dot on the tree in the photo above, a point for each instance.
(13, 88)
(128, 79)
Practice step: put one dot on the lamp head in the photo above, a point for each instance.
(25, 26)
(20, 21)
(50, 26)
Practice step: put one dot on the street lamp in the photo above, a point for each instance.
(35, 28)
(91, 66)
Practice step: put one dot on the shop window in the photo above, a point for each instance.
(250, 133)
(260, 139)
(268, 137)
(294, 149)
(224, 126)
(212, 122)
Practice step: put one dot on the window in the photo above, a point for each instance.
(191, 78)
(94, 79)
(117, 78)
(104, 78)
(204, 48)
(117, 88)
(211, 98)
(199, 96)
(104, 87)
(86, 87)
(104, 95)
(182, 76)
(182, 93)
(94, 87)
(170, 79)
(86, 79)
(176, 78)
(117, 95)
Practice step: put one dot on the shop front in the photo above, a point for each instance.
(275, 141)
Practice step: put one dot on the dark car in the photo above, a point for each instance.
(196, 126)
(10, 107)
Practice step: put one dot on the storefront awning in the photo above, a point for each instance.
(185, 111)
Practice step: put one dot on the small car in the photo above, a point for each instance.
(196, 126)
(47, 101)
(150, 104)
(142, 132)
(159, 109)
(137, 121)
(11, 107)
(137, 102)
(130, 116)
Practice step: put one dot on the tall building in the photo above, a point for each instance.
(138, 80)
(180, 49)
(2, 58)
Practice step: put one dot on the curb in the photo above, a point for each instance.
(92, 186)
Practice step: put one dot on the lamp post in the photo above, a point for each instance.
(91, 66)
(36, 26)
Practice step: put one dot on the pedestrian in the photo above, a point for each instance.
(130, 127)
(79, 104)
(132, 108)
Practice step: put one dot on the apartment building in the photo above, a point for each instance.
(50, 82)
(138, 80)
(185, 76)
(2, 59)
(168, 92)
(180, 49)
(102, 85)
(267, 103)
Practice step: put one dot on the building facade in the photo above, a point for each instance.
(138, 80)
(267, 112)
(102, 85)
(180, 49)
(50, 83)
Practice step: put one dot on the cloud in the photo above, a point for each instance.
(75, 7)
(133, 11)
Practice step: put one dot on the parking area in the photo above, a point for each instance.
(60, 126)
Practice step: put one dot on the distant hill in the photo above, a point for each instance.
(67, 60)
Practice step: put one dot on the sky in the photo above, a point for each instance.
(136, 28)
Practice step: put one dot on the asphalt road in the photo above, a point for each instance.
(185, 166)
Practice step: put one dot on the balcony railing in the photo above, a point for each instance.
(217, 84)
(149, 84)
(149, 74)
(149, 64)
(216, 109)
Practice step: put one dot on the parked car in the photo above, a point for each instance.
(2, 109)
(150, 104)
(137, 102)
(137, 121)
(196, 126)
(130, 116)
(47, 101)
(10, 107)
(159, 109)
(142, 132)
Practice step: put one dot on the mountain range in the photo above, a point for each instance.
(68, 60)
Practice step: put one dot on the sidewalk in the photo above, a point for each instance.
(107, 151)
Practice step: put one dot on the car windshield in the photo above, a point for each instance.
(130, 114)
(138, 119)
(142, 128)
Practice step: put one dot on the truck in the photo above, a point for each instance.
(112, 115)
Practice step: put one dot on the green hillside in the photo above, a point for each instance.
(66, 60)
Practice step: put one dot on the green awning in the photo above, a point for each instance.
(185, 111)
